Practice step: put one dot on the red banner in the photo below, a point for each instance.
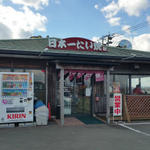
(99, 75)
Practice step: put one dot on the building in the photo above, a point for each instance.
(77, 74)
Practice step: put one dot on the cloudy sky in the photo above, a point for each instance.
(92, 19)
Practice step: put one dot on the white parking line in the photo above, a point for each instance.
(137, 123)
(132, 129)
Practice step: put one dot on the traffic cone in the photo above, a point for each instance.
(49, 109)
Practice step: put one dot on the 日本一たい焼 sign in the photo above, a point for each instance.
(80, 44)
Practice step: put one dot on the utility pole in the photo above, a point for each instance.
(107, 39)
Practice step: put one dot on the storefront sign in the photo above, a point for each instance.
(80, 44)
(117, 104)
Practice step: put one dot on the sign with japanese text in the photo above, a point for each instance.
(80, 44)
(117, 104)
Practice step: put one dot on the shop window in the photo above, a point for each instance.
(120, 83)
(5, 70)
(39, 84)
(19, 70)
(142, 82)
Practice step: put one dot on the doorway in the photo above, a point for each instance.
(80, 91)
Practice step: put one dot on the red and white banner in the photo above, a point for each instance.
(79, 75)
(117, 104)
(99, 75)
(71, 75)
(87, 76)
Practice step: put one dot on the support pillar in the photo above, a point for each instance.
(46, 84)
(61, 89)
(108, 97)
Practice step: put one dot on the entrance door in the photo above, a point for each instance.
(79, 91)
(81, 96)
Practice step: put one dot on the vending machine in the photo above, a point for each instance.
(16, 97)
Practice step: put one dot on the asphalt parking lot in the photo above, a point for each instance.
(54, 137)
(139, 127)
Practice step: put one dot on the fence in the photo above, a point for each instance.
(136, 107)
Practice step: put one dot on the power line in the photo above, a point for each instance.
(109, 37)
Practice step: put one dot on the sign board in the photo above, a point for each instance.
(117, 104)
(77, 44)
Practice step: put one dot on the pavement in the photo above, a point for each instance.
(89, 137)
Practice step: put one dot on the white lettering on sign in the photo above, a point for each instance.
(75, 44)
(97, 46)
(52, 43)
(62, 44)
(117, 104)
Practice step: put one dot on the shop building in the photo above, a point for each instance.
(79, 76)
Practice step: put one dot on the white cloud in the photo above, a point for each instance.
(133, 7)
(95, 39)
(37, 4)
(126, 28)
(114, 21)
(20, 24)
(142, 42)
(110, 10)
(96, 6)
(148, 19)
(5, 32)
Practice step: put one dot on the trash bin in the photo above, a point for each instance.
(58, 112)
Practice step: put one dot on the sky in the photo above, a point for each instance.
(90, 19)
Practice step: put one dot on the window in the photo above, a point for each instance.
(39, 84)
(122, 81)
(143, 81)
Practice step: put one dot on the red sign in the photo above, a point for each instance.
(117, 105)
(99, 75)
(16, 116)
(80, 44)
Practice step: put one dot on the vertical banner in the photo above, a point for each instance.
(117, 104)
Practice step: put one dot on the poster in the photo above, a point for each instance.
(88, 91)
(116, 87)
